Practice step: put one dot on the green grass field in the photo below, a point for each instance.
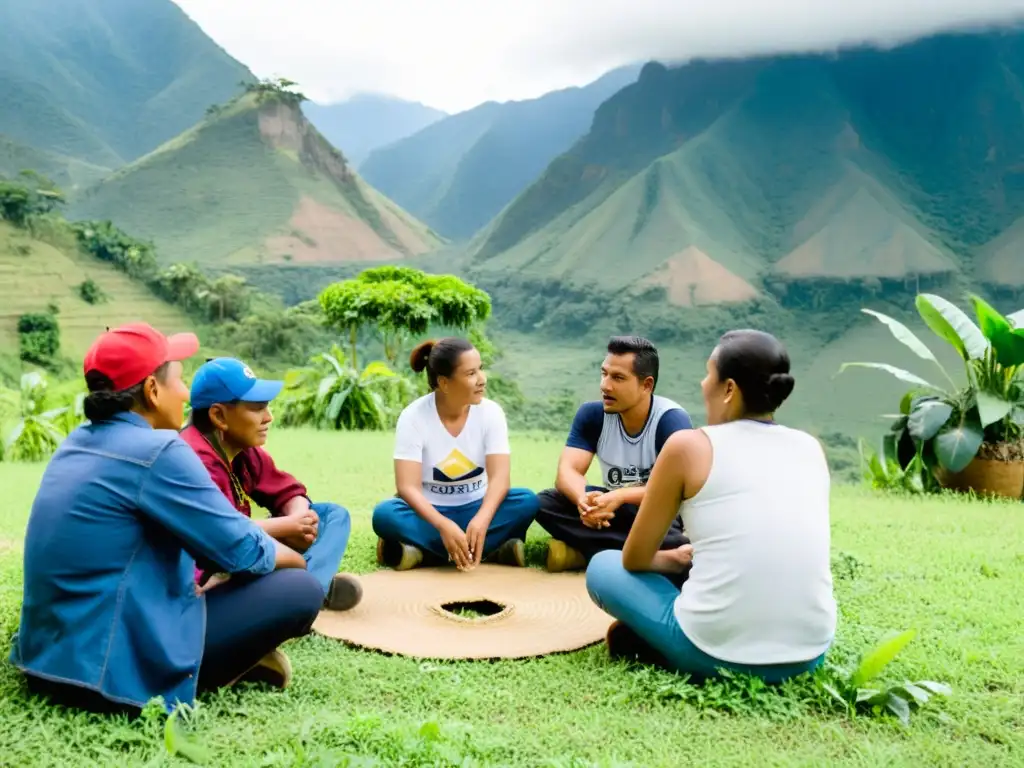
(952, 569)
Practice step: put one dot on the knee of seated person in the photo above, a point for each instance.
(326, 509)
(301, 593)
(525, 499)
(384, 517)
(604, 568)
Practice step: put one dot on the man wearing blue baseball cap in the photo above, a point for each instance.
(228, 429)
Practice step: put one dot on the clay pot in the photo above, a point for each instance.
(986, 477)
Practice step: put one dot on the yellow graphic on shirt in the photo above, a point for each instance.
(454, 475)
(455, 466)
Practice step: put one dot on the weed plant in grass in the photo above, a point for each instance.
(952, 569)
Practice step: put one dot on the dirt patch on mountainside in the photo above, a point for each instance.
(692, 278)
(320, 233)
(902, 253)
(283, 126)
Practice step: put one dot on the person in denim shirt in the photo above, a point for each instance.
(111, 615)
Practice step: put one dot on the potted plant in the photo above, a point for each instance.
(965, 436)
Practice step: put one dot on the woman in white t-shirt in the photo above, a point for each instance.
(452, 463)
(754, 496)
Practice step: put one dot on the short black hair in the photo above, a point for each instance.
(103, 403)
(645, 355)
(759, 364)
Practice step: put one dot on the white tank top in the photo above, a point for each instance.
(760, 589)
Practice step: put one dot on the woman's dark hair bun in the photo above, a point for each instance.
(420, 356)
(780, 387)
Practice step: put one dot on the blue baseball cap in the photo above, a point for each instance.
(227, 380)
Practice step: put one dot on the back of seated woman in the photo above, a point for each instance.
(754, 496)
(111, 615)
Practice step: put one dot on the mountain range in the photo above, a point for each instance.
(368, 121)
(724, 180)
(783, 192)
(459, 172)
(89, 85)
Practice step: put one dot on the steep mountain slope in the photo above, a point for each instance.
(67, 172)
(254, 183)
(458, 173)
(105, 81)
(361, 124)
(785, 175)
(34, 273)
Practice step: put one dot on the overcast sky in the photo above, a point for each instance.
(455, 54)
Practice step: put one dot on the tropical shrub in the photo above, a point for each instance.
(90, 292)
(330, 393)
(857, 690)
(947, 426)
(38, 337)
(32, 431)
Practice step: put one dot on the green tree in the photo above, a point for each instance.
(31, 194)
(399, 302)
(226, 298)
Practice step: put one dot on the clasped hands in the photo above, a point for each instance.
(465, 548)
(597, 508)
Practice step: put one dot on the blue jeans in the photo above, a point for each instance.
(644, 602)
(394, 520)
(324, 555)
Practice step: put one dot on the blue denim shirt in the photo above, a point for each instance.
(109, 601)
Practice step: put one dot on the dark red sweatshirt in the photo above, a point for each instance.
(258, 478)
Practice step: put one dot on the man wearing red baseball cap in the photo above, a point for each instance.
(111, 615)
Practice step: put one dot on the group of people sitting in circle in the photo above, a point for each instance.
(146, 575)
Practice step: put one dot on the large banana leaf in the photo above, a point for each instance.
(899, 373)
(956, 446)
(951, 323)
(1008, 345)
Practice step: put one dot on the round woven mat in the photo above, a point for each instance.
(410, 613)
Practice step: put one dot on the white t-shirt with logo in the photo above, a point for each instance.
(454, 468)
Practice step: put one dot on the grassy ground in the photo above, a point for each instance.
(951, 569)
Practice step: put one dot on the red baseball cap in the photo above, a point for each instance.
(128, 354)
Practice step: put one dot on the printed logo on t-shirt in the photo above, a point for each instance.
(623, 477)
(455, 475)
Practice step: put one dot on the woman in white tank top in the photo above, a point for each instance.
(754, 496)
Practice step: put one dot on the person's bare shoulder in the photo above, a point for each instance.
(687, 444)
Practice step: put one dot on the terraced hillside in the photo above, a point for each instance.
(34, 273)
(255, 183)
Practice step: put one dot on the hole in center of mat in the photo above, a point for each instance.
(473, 609)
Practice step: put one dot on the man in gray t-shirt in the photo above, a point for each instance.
(625, 430)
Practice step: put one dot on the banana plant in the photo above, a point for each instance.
(330, 393)
(946, 424)
(37, 431)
